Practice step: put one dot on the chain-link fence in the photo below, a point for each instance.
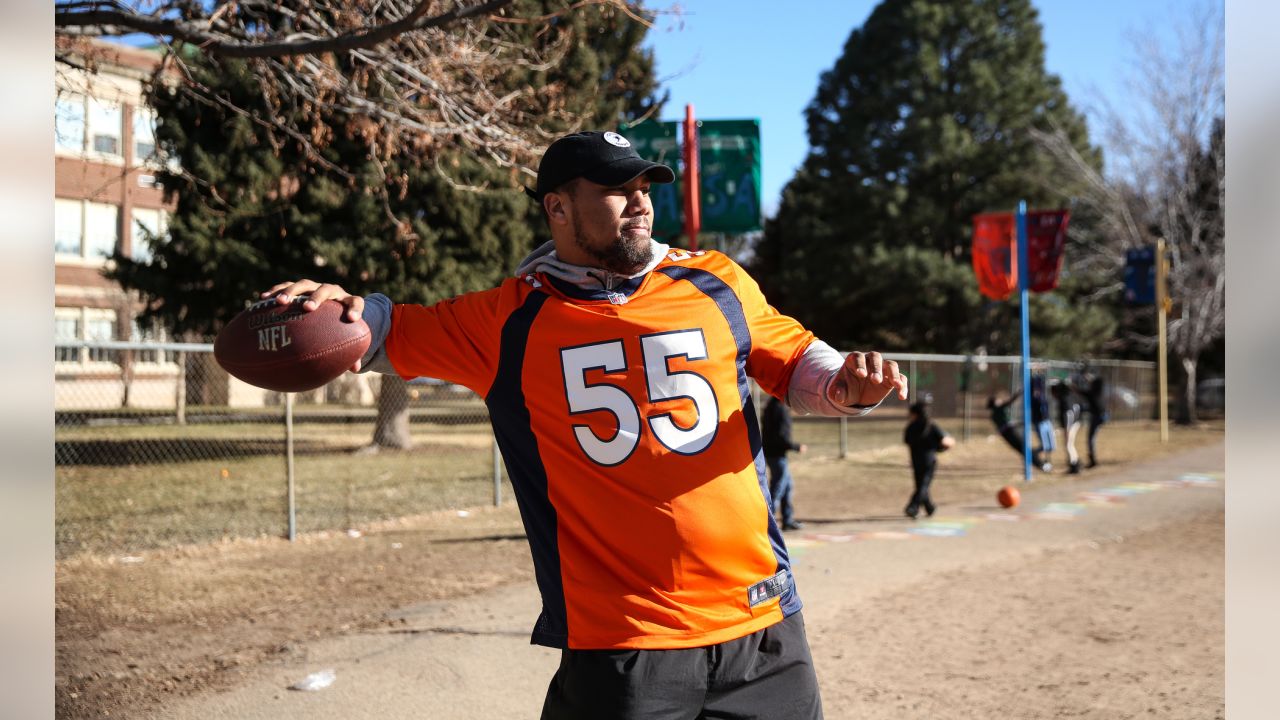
(156, 445)
(957, 388)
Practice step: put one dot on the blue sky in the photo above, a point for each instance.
(755, 59)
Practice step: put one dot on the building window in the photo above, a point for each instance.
(68, 123)
(66, 326)
(100, 326)
(68, 227)
(146, 223)
(154, 333)
(144, 135)
(85, 230)
(105, 126)
(91, 324)
(101, 230)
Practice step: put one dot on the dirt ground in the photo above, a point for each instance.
(133, 634)
(1138, 635)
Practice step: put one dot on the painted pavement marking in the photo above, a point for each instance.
(948, 527)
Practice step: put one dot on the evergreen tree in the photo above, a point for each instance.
(251, 212)
(922, 123)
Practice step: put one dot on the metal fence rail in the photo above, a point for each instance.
(156, 445)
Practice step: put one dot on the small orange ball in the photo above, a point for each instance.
(1008, 496)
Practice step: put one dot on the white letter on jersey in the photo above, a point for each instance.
(583, 398)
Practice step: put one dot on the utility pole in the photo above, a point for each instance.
(1024, 283)
(1163, 304)
(692, 184)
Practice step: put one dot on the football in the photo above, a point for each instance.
(1008, 496)
(287, 349)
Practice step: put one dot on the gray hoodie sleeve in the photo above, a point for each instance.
(377, 315)
(809, 393)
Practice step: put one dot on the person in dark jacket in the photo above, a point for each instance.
(1095, 399)
(1007, 428)
(1041, 422)
(775, 432)
(926, 440)
(1000, 418)
(1069, 414)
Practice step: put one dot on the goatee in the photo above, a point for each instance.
(627, 255)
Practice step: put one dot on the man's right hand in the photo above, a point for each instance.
(285, 292)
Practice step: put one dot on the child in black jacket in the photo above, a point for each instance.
(926, 440)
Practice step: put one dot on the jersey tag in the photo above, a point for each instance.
(617, 298)
(768, 588)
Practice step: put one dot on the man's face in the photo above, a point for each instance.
(607, 227)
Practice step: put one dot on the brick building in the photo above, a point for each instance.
(106, 197)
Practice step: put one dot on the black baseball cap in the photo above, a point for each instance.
(605, 158)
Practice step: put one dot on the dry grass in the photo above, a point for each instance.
(128, 507)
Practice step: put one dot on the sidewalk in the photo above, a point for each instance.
(471, 658)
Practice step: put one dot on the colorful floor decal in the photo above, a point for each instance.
(1059, 511)
(943, 527)
(885, 535)
(1101, 498)
(947, 527)
(827, 537)
(936, 530)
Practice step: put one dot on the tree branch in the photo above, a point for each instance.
(119, 22)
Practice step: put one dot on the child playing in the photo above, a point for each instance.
(926, 440)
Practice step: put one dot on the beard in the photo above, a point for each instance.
(628, 253)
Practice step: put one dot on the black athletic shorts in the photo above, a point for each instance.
(767, 674)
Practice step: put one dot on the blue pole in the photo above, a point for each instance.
(1023, 281)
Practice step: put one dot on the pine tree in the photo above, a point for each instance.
(921, 123)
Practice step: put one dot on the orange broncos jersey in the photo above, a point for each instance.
(630, 437)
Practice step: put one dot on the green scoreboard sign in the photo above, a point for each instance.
(729, 170)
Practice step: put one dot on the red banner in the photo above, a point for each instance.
(994, 249)
(1046, 239)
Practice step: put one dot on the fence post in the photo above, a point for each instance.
(180, 392)
(911, 382)
(844, 437)
(497, 473)
(288, 454)
(126, 377)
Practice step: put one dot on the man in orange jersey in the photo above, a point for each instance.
(616, 373)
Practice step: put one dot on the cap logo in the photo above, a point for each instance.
(614, 138)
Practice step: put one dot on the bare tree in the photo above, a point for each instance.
(422, 73)
(1167, 180)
